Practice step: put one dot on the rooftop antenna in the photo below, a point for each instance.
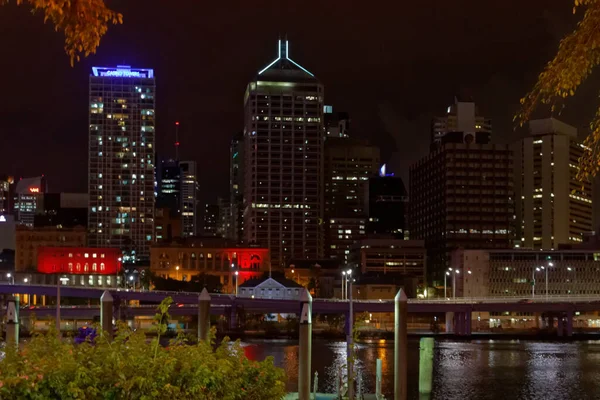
(176, 140)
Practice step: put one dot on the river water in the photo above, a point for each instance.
(477, 369)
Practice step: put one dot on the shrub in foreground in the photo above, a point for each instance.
(132, 367)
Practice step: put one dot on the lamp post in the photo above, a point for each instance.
(236, 282)
(533, 280)
(550, 264)
(445, 284)
(59, 282)
(132, 282)
(348, 273)
(455, 272)
(11, 277)
(177, 273)
(293, 276)
(25, 280)
(343, 284)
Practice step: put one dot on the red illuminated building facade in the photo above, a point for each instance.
(79, 260)
(182, 260)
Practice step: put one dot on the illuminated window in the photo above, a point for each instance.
(102, 255)
(70, 267)
(86, 267)
(94, 267)
(78, 267)
(102, 267)
(86, 255)
(209, 255)
(94, 255)
(70, 255)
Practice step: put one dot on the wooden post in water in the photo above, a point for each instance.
(106, 314)
(400, 346)
(305, 349)
(203, 315)
(426, 366)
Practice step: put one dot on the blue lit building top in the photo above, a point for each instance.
(123, 71)
(283, 63)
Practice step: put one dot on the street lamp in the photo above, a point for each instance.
(343, 283)
(177, 273)
(445, 284)
(61, 281)
(236, 282)
(11, 277)
(298, 278)
(348, 273)
(533, 280)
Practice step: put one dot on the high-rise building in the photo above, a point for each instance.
(211, 220)
(461, 195)
(189, 197)
(461, 119)
(336, 124)
(121, 160)
(387, 205)
(28, 193)
(62, 209)
(283, 159)
(166, 225)
(236, 188)
(348, 165)
(169, 191)
(553, 207)
(6, 183)
(224, 219)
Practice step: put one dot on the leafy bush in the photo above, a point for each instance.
(132, 367)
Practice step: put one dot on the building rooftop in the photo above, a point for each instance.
(284, 68)
(551, 126)
(288, 283)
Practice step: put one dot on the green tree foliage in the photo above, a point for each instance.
(131, 367)
(578, 54)
(83, 22)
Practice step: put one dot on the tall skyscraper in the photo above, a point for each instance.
(283, 143)
(336, 124)
(211, 220)
(236, 188)
(461, 195)
(553, 207)
(189, 197)
(169, 182)
(121, 160)
(28, 194)
(6, 184)
(461, 119)
(387, 204)
(349, 163)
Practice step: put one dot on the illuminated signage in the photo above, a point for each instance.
(2, 218)
(34, 190)
(123, 71)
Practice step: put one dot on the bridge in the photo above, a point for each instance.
(459, 309)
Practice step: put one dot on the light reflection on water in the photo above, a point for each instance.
(478, 369)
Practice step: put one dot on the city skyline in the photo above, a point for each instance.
(379, 71)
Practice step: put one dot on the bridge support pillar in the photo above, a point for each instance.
(537, 317)
(569, 322)
(233, 323)
(203, 315)
(560, 324)
(449, 322)
(468, 318)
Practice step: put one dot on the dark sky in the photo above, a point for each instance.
(392, 65)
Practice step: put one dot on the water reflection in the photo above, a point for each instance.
(462, 370)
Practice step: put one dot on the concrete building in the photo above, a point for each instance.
(121, 160)
(236, 188)
(7, 232)
(336, 124)
(6, 196)
(183, 259)
(189, 198)
(403, 262)
(211, 220)
(461, 195)
(167, 226)
(169, 187)
(348, 165)
(461, 119)
(28, 240)
(271, 288)
(522, 273)
(28, 193)
(552, 207)
(283, 160)
(61, 209)
(387, 205)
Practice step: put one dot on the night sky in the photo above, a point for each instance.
(392, 65)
